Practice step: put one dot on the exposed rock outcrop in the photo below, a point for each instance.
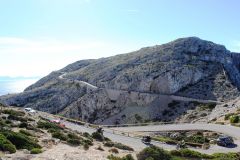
(95, 90)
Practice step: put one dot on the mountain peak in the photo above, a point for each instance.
(96, 90)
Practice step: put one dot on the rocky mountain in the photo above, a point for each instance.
(163, 82)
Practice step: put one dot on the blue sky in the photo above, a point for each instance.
(39, 36)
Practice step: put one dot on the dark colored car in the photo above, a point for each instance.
(225, 141)
(146, 139)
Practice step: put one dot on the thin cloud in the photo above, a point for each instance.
(14, 41)
(27, 57)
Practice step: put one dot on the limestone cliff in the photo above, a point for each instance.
(98, 89)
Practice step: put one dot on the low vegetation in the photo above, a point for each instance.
(234, 119)
(48, 125)
(98, 136)
(193, 139)
(20, 140)
(36, 151)
(189, 154)
(6, 145)
(156, 153)
(11, 141)
(59, 135)
(153, 153)
(127, 157)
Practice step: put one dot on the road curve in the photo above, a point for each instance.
(135, 142)
(225, 129)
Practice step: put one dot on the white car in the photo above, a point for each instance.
(30, 110)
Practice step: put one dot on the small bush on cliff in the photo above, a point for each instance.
(190, 154)
(98, 136)
(25, 132)
(6, 145)
(234, 119)
(13, 112)
(123, 147)
(59, 135)
(155, 153)
(23, 125)
(21, 141)
(48, 125)
(74, 142)
(127, 157)
(36, 151)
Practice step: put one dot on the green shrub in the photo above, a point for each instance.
(87, 135)
(13, 112)
(234, 119)
(189, 154)
(176, 153)
(227, 116)
(109, 144)
(25, 132)
(74, 142)
(17, 118)
(59, 135)
(155, 153)
(52, 130)
(73, 136)
(165, 139)
(127, 157)
(6, 145)
(23, 125)
(3, 123)
(98, 136)
(48, 125)
(21, 141)
(87, 141)
(107, 139)
(36, 151)
(112, 157)
(211, 106)
(196, 139)
(8, 122)
(123, 147)
(226, 156)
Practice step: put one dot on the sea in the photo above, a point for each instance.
(15, 85)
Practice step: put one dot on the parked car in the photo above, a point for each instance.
(58, 122)
(146, 139)
(30, 110)
(225, 141)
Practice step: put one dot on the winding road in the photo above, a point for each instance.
(225, 129)
(174, 97)
(135, 142)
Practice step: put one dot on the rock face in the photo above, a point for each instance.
(96, 90)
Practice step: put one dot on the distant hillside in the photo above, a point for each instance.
(138, 86)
